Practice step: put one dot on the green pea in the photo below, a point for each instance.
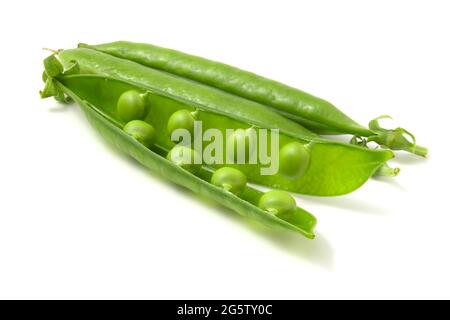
(230, 179)
(131, 106)
(277, 202)
(294, 160)
(235, 141)
(141, 131)
(184, 157)
(181, 119)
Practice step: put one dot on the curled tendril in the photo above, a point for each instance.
(72, 68)
(394, 139)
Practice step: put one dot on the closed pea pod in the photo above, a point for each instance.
(312, 112)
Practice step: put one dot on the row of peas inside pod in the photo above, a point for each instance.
(133, 107)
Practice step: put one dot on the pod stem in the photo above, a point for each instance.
(386, 171)
(51, 50)
(195, 114)
(395, 139)
(420, 150)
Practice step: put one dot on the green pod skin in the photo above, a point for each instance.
(94, 62)
(141, 131)
(230, 179)
(154, 159)
(312, 112)
(335, 168)
(316, 111)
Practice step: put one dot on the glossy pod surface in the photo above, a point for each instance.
(305, 108)
(93, 62)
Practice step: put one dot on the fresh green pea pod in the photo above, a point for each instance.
(310, 111)
(335, 168)
(246, 204)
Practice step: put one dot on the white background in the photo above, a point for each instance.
(80, 220)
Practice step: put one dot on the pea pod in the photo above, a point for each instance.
(334, 168)
(310, 111)
(246, 204)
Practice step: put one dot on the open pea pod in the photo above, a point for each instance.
(82, 90)
(333, 169)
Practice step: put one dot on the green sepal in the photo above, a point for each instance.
(44, 76)
(53, 67)
(51, 89)
(386, 171)
(395, 139)
(72, 68)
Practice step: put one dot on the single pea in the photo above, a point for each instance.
(294, 160)
(277, 202)
(230, 179)
(239, 140)
(181, 119)
(184, 157)
(131, 106)
(141, 131)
